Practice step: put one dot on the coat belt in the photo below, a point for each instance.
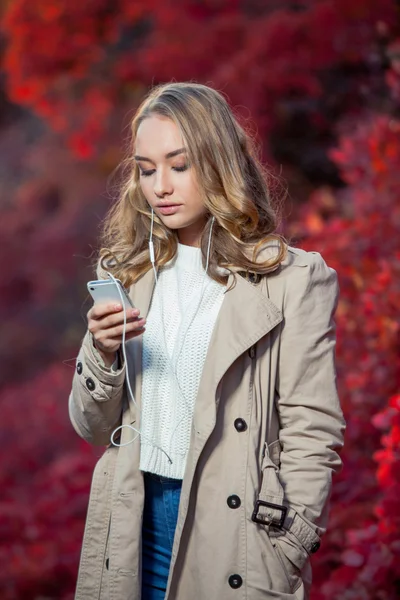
(270, 509)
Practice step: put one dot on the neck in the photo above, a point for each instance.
(191, 235)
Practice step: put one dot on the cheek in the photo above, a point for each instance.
(191, 190)
(146, 188)
(196, 200)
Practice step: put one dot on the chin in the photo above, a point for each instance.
(173, 221)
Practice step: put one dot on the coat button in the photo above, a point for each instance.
(240, 425)
(233, 501)
(235, 581)
(252, 352)
(79, 368)
(90, 384)
(316, 546)
(107, 563)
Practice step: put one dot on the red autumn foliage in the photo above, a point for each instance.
(322, 81)
(73, 63)
(358, 232)
(44, 477)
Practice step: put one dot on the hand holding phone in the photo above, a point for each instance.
(106, 317)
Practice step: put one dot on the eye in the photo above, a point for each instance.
(146, 173)
(181, 169)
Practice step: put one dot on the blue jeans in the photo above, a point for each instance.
(160, 515)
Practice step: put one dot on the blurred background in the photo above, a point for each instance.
(319, 83)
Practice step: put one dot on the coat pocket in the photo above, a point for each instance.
(291, 571)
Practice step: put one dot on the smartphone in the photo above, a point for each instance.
(105, 290)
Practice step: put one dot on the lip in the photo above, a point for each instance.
(168, 209)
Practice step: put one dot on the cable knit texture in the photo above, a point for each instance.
(180, 322)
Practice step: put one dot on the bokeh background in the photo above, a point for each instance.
(319, 83)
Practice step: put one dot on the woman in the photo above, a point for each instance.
(217, 487)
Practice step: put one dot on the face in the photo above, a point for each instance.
(167, 180)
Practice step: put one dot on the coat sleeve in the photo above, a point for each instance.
(96, 400)
(312, 424)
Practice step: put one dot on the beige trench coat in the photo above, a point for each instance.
(270, 363)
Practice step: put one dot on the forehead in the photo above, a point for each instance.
(156, 136)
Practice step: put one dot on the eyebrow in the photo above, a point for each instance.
(169, 155)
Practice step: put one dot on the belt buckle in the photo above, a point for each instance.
(262, 521)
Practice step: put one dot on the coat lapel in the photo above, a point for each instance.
(246, 315)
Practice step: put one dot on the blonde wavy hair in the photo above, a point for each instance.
(232, 182)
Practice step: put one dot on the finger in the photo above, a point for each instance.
(100, 331)
(137, 333)
(134, 334)
(115, 342)
(99, 310)
(129, 336)
(113, 320)
(117, 331)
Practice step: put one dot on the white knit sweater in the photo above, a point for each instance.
(180, 322)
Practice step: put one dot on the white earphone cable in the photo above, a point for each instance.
(174, 372)
(127, 379)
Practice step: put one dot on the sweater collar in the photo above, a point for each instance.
(188, 258)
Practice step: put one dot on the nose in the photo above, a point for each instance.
(163, 184)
